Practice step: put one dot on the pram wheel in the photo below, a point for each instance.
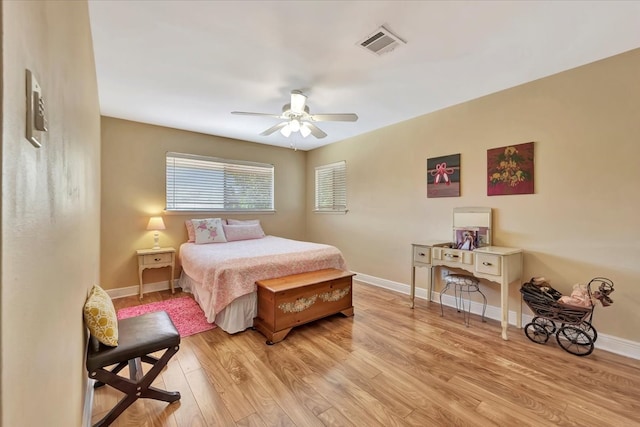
(536, 333)
(588, 329)
(575, 340)
(547, 324)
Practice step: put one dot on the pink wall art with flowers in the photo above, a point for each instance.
(443, 176)
(510, 170)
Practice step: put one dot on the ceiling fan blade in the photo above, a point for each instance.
(244, 113)
(298, 101)
(346, 117)
(315, 130)
(272, 129)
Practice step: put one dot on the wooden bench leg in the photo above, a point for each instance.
(119, 367)
(139, 386)
(135, 370)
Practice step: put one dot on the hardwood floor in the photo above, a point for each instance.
(386, 366)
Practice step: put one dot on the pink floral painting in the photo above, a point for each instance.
(510, 170)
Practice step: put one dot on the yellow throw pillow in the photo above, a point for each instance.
(100, 316)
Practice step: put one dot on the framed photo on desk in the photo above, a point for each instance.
(466, 239)
(476, 220)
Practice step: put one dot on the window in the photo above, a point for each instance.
(199, 183)
(331, 187)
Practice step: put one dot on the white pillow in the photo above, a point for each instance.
(208, 230)
(235, 232)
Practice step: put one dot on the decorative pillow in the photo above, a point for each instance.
(208, 231)
(100, 316)
(190, 231)
(243, 232)
(242, 222)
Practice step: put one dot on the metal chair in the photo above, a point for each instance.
(463, 283)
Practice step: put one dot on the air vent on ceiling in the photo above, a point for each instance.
(381, 41)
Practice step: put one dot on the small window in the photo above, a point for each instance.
(331, 187)
(199, 183)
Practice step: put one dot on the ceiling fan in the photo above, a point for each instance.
(297, 118)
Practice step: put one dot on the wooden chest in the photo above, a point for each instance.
(294, 300)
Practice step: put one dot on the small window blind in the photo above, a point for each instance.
(199, 183)
(331, 187)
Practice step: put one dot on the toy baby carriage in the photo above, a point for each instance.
(575, 334)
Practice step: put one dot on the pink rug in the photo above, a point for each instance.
(185, 313)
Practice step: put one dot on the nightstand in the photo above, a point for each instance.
(156, 258)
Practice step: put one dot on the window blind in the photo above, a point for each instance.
(331, 187)
(200, 183)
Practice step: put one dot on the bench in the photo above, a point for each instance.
(139, 337)
(290, 301)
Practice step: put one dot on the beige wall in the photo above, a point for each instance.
(50, 212)
(133, 189)
(582, 220)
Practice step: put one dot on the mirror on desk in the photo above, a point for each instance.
(471, 227)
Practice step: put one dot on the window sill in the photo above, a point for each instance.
(218, 212)
(340, 212)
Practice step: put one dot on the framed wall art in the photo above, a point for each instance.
(510, 170)
(443, 176)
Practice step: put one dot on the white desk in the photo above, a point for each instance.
(494, 263)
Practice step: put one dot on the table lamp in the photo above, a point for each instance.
(156, 223)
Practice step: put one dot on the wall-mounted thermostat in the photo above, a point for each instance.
(36, 119)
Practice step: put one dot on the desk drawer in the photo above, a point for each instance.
(489, 264)
(157, 258)
(422, 254)
(453, 256)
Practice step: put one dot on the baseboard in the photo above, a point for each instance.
(605, 342)
(88, 403)
(133, 290)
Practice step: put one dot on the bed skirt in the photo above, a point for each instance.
(236, 317)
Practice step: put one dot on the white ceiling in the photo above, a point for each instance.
(188, 64)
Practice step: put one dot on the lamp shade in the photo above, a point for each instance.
(286, 131)
(156, 223)
(305, 130)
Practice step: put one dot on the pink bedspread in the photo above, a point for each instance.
(230, 270)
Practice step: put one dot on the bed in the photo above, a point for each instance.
(222, 276)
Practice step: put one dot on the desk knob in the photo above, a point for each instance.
(486, 263)
(421, 253)
(157, 259)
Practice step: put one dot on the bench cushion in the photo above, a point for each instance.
(138, 336)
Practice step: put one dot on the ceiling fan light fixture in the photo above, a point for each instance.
(294, 124)
(304, 130)
(286, 131)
